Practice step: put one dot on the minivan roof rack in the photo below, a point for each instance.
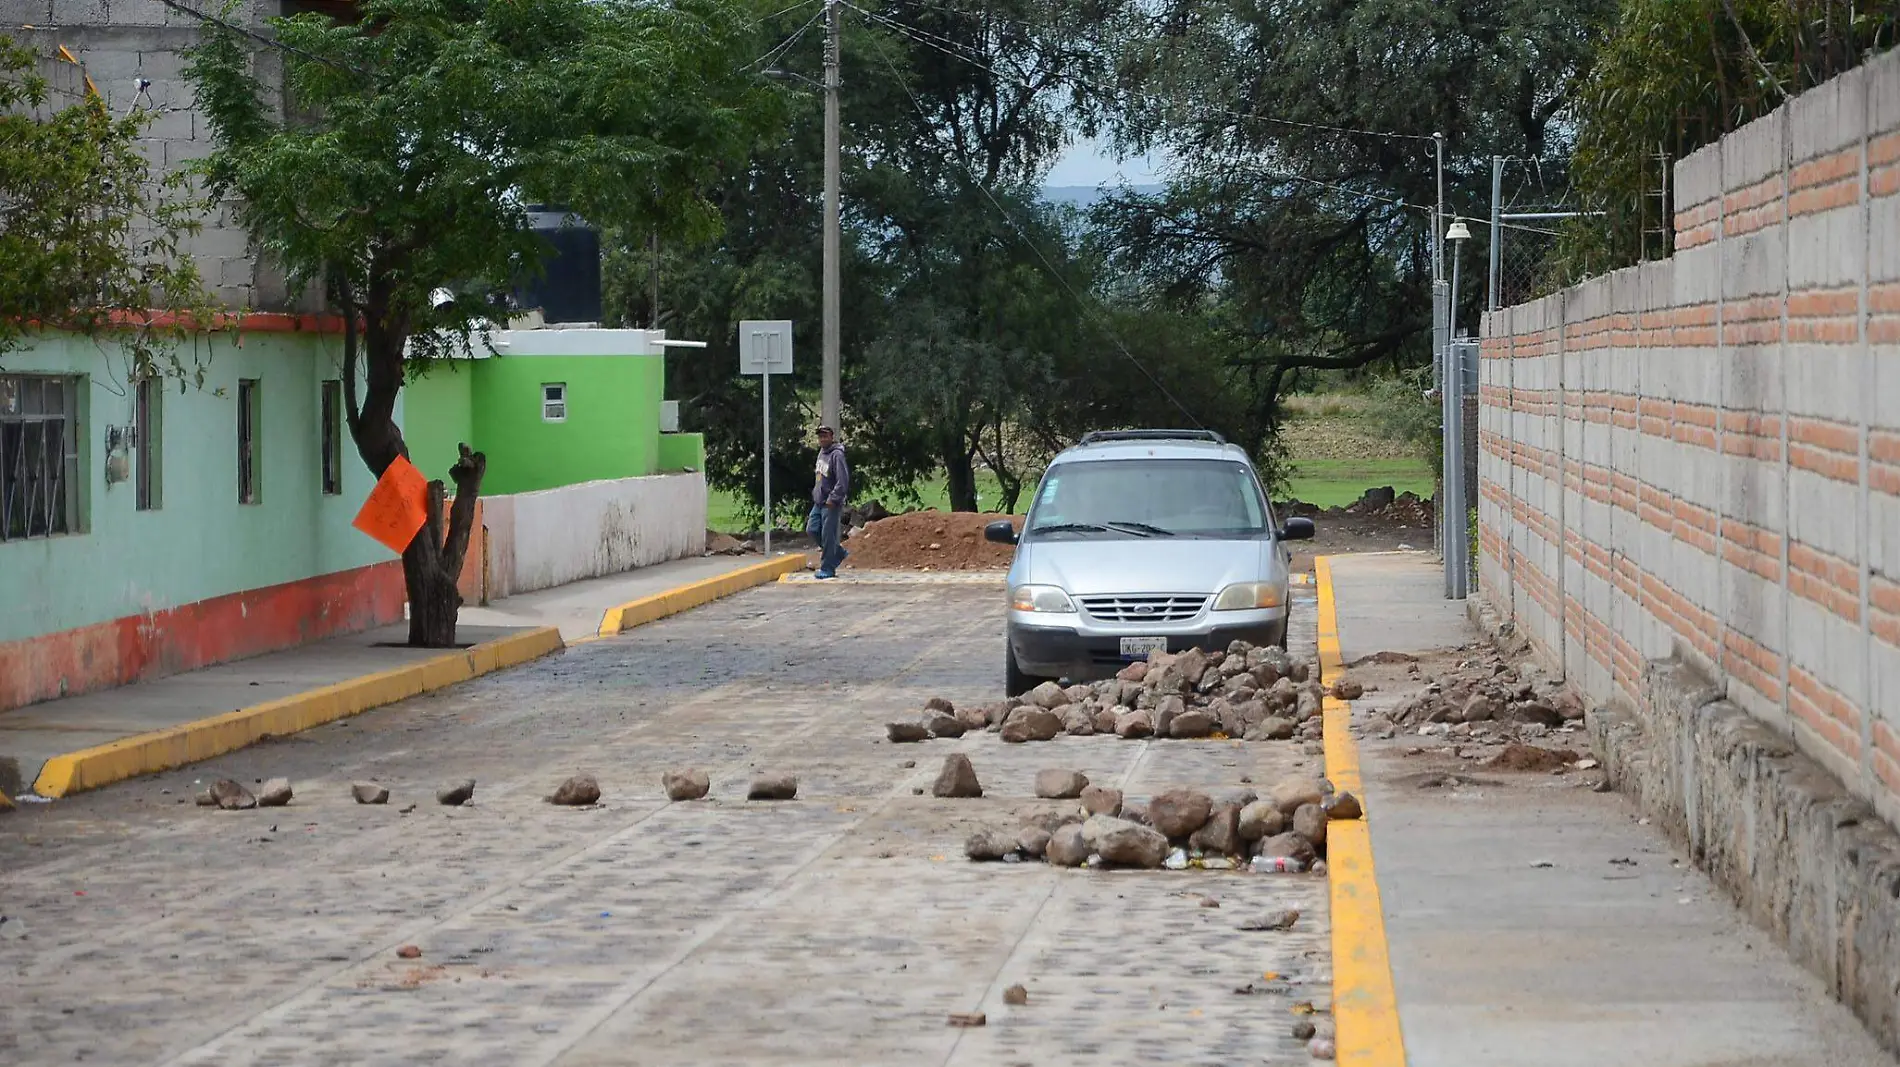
(1099, 436)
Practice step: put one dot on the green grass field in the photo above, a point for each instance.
(1334, 450)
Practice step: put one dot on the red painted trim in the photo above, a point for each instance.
(251, 321)
(190, 636)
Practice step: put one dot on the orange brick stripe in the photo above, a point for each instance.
(1753, 663)
(1824, 316)
(1752, 549)
(1883, 175)
(1831, 716)
(1887, 756)
(1826, 183)
(1883, 599)
(1753, 208)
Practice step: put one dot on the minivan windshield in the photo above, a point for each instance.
(1149, 498)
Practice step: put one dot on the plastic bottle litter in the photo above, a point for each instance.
(1277, 865)
(1177, 860)
(1217, 863)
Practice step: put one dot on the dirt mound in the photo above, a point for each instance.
(930, 540)
(1517, 757)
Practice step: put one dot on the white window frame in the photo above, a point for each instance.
(553, 406)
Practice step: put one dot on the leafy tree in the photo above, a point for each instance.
(1299, 213)
(1675, 75)
(89, 241)
(416, 134)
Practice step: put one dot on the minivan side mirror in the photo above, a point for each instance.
(1004, 532)
(1297, 530)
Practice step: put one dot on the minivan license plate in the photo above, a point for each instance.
(1139, 647)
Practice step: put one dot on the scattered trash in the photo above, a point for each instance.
(1540, 864)
(1320, 1048)
(968, 1019)
(1177, 860)
(1303, 1030)
(409, 952)
(1586, 765)
(1278, 865)
(32, 798)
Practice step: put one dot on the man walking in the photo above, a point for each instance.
(827, 502)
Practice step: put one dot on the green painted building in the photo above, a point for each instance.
(551, 407)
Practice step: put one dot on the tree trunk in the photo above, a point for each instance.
(959, 474)
(432, 564)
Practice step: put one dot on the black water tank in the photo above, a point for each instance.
(568, 289)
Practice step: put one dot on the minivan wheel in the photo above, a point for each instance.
(1015, 682)
(1279, 641)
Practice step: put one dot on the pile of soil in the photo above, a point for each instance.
(930, 540)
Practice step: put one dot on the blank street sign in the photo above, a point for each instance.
(765, 345)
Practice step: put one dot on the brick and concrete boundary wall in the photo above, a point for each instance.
(117, 42)
(1699, 459)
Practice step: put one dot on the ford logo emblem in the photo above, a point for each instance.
(1144, 609)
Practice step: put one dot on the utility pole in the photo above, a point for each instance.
(830, 406)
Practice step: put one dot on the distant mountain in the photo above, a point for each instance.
(1086, 196)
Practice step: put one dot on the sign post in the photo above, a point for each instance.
(765, 349)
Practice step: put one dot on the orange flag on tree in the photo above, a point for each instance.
(397, 507)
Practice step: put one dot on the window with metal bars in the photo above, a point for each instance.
(332, 438)
(39, 456)
(147, 407)
(247, 442)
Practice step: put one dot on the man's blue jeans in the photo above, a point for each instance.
(823, 524)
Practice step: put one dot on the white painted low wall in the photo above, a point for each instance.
(549, 538)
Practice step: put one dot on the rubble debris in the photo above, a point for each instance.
(1031, 724)
(274, 794)
(1016, 996)
(958, 779)
(1276, 920)
(1343, 806)
(1101, 800)
(968, 1019)
(369, 793)
(1060, 784)
(903, 733)
(685, 783)
(988, 845)
(456, 794)
(579, 791)
(230, 796)
(773, 785)
(409, 952)
(1522, 757)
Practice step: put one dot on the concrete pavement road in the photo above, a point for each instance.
(840, 928)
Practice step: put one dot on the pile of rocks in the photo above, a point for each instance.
(1260, 694)
(1487, 701)
(1283, 831)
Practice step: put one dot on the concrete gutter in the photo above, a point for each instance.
(705, 591)
(175, 746)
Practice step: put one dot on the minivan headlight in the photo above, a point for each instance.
(1040, 598)
(1249, 596)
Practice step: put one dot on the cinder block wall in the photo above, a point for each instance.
(1701, 457)
(117, 42)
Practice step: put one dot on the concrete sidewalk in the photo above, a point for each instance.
(85, 741)
(1530, 920)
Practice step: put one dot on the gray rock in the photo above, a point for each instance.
(577, 792)
(1193, 666)
(1165, 713)
(685, 783)
(1134, 725)
(1288, 845)
(1122, 842)
(1048, 696)
(1135, 811)
(989, 845)
(1347, 689)
(1537, 712)
(1060, 785)
(1480, 708)
(1191, 724)
(1078, 693)
(369, 793)
(1310, 822)
(1031, 724)
(231, 796)
(1101, 800)
(1033, 840)
(940, 705)
(946, 726)
(957, 779)
(1220, 835)
(773, 785)
(1106, 720)
(1293, 792)
(1078, 720)
(1299, 670)
(1262, 818)
(274, 794)
(1308, 706)
(1236, 798)
(1179, 812)
(1066, 847)
(456, 794)
(1277, 728)
(973, 718)
(1342, 806)
(904, 733)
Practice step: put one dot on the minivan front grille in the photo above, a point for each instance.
(1133, 607)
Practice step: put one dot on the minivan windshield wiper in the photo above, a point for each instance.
(1141, 528)
(1070, 527)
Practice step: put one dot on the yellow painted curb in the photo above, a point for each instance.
(705, 591)
(175, 746)
(1365, 1007)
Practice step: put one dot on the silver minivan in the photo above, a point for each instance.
(1138, 541)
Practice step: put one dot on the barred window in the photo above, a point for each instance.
(39, 456)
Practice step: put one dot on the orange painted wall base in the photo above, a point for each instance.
(196, 635)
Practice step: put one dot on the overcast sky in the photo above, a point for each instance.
(1089, 163)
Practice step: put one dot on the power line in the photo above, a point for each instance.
(1060, 278)
(269, 42)
(786, 45)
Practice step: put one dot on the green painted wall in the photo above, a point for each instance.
(682, 451)
(611, 430)
(200, 542)
(441, 415)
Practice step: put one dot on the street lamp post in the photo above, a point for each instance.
(1453, 535)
